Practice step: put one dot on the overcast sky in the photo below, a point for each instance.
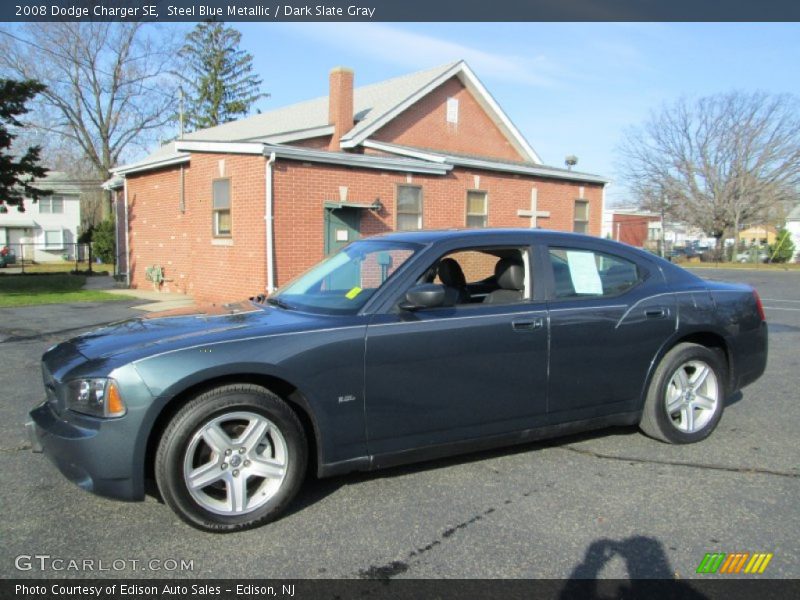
(570, 88)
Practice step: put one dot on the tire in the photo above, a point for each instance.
(232, 458)
(686, 396)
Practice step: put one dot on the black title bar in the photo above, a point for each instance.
(400, 10)
(732, 588)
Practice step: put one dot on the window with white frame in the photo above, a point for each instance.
(221, 191)
(452, 110)
(581, 219)
(477, 209)
(53, 239)
(409, 207)
(51, 205)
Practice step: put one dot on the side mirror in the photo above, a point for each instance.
(429, 295)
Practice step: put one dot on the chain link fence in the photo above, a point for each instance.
(40, 257)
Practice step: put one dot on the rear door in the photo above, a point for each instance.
(609, 315)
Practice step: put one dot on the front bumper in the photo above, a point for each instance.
(90, 452)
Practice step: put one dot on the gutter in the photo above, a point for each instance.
(149, 166)
(487, 164)
(127, 237)
(403, 165)
(269, 218)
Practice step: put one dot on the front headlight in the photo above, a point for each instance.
(98, 397)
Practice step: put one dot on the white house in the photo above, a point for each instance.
(793, 227)
(48, 229)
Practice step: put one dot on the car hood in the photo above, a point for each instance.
(153, 334)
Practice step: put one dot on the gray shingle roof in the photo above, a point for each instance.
(370, 102)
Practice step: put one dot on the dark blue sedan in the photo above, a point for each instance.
(399, 348)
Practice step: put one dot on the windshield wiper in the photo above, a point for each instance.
(279, 303)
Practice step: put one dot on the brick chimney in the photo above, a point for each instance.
(340, 104)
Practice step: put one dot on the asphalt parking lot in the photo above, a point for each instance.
(610, 504)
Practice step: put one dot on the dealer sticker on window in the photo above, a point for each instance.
(353, 293)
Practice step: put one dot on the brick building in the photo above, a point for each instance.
(243, 207)
(633, 226)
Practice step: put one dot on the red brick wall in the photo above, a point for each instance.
(302, 188)
(424, 125)
(316, 143)
(631, 229)
(181, 243)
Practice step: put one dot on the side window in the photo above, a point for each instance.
(484, 275)
(409, 207)
(585, 273)
(221, 204)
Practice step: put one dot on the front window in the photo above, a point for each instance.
(581, 224)
(476, 209)
(54, 240)
(409, 207)
(221, 191)
(51, 205)
(342, 283)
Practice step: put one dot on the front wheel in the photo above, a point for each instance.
(686, 396)
(231, 459)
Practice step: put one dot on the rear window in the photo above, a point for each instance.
(581, 273)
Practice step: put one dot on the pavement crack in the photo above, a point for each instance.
(677, 463)
(19, 448)
(396, 567)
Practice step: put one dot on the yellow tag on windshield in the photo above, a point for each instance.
(353, 293)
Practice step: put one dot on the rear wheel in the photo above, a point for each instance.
(686, 396)
(231, 459)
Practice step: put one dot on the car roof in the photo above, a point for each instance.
(549, 236)
(435, 236)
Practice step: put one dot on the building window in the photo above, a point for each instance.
(581, 220)
(452, 110)
(52, 205)
(222, 207)
(409, 207)
(477, 213)
(54, 239)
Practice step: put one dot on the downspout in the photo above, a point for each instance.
(269, 218)
(127, 236)
(115, 195)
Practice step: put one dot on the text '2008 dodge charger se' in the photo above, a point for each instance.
(401, 347)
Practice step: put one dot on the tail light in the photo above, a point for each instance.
(759, 306)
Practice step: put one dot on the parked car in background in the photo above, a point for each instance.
(752, 256)
(399, 348)
(7, 257)
(679, 254)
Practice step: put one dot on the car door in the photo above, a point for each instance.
(451, 374)
(609, 315)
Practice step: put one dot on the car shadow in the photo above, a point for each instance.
(649, 572)
(315, 489)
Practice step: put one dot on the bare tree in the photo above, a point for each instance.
(718, 162)
(109, 89)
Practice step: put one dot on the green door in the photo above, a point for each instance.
(341, 228)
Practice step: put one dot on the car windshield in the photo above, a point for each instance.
(342, 283)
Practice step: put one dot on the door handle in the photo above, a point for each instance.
(655, 313)
(531, 325)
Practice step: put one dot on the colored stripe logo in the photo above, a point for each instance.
(735, 563)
